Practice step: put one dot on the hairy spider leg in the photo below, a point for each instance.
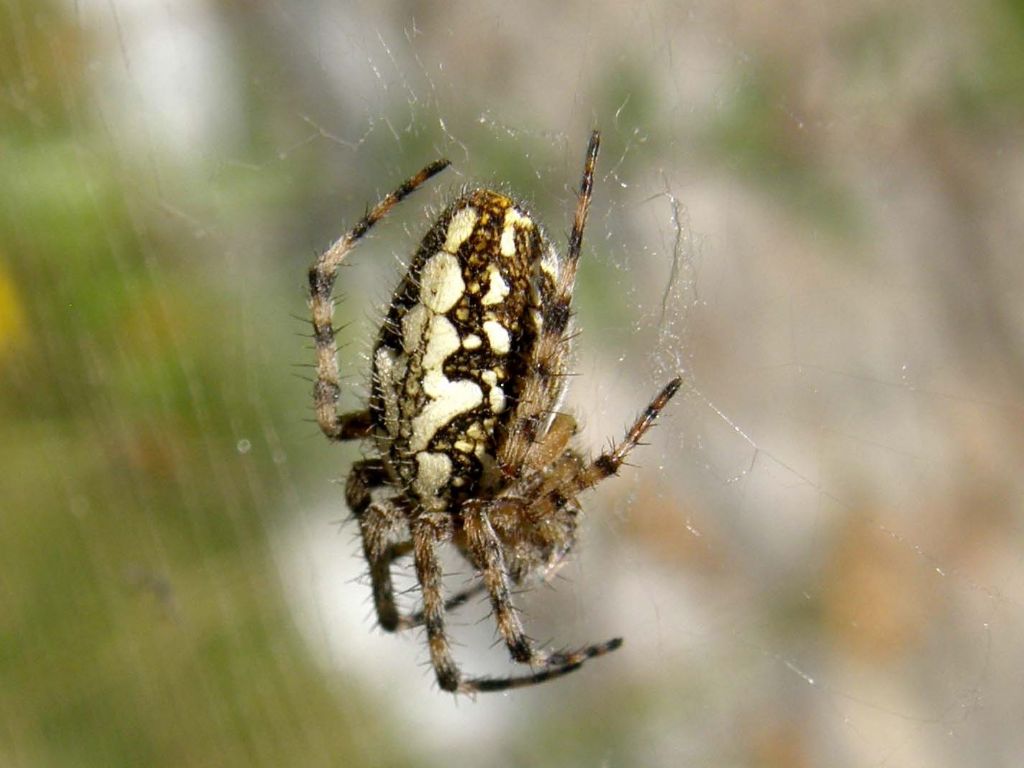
(487, 551)
(427, 532)
(379, 524)
(356, 425)
(548, 359)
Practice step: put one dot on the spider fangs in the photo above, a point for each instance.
(469, 371)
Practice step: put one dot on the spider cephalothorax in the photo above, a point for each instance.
(469, 370)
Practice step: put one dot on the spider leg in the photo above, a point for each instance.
(545, 384)
(388, 615)
(558, 664)
(549, 448)
(608, 463)
(570, 476)
(322, 274)
(428, 530)
(487, 549)
(457, 600)
(583, 204)
(378, 524)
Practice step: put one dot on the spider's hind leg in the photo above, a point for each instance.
(427, 532)
(488, 552)
(457, 600)
(380, 524)
(569, 477)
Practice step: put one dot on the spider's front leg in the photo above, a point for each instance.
(608, 463)
(350, 426)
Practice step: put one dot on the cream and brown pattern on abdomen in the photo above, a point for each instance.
(450, 354)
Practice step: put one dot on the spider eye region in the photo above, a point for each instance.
(451, 358)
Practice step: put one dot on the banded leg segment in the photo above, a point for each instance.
(487, 549)
(379, 526)
(428, 531)
(608, 463)
(548, 358)
(457, 600)
(321, 284)
(558, 664)
(487, 552)
(380, 523)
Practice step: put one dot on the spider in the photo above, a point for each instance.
(468, 373)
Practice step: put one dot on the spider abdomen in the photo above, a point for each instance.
(449, 361)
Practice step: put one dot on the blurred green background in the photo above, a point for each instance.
(812, 209)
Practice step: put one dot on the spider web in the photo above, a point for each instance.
(815, 560)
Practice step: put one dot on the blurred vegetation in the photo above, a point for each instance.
(142, 621)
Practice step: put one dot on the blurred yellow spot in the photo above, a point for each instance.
(12, 314)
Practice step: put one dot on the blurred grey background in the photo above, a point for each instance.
(812, 210)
